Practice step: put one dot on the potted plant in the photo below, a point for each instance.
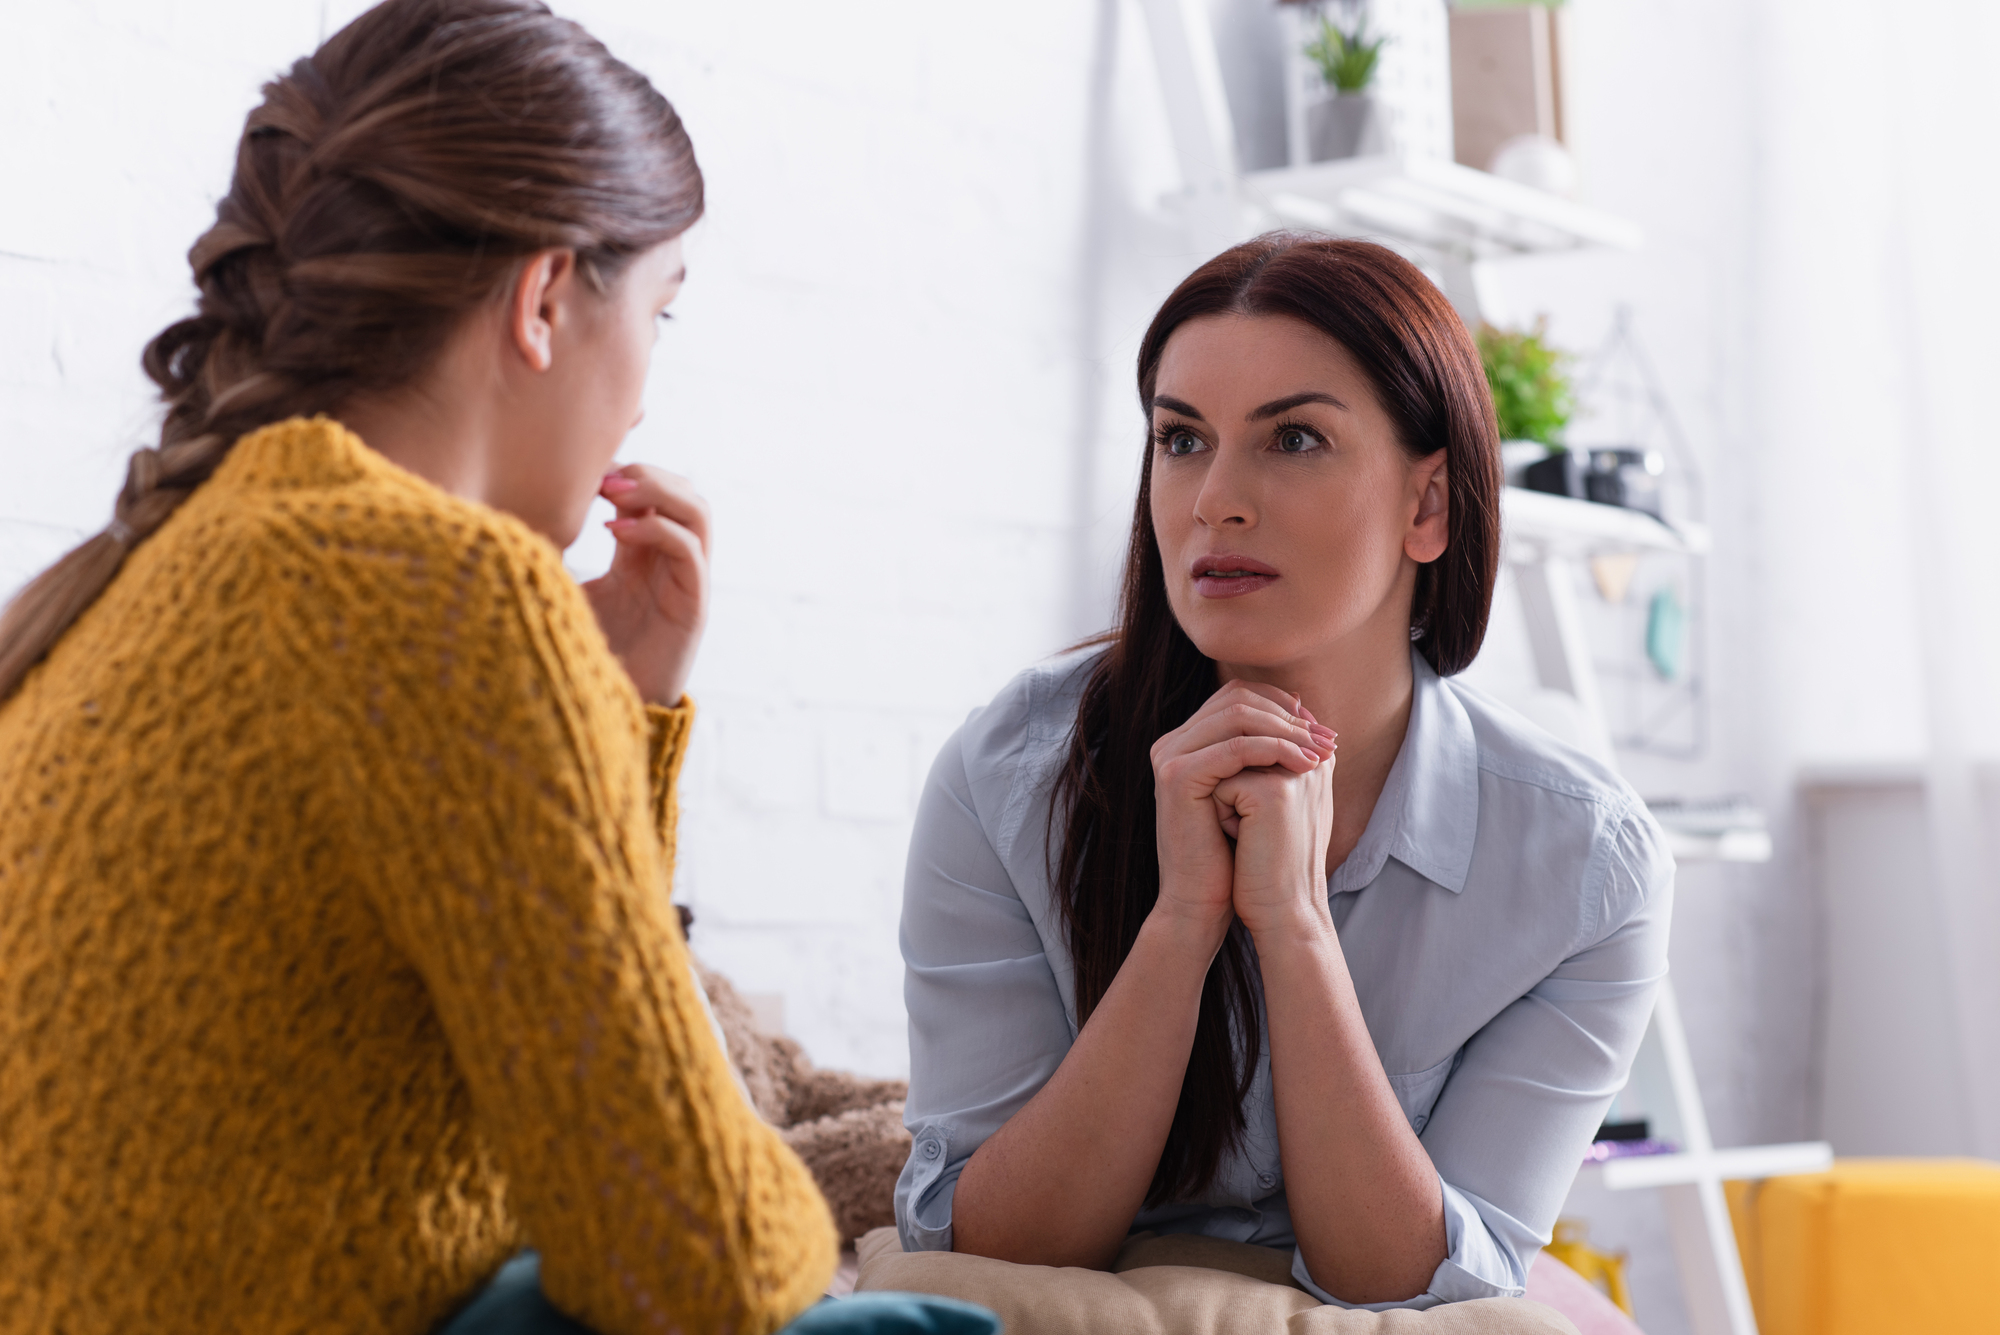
(1532, 395)
(1347, 124)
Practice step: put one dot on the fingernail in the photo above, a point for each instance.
(1305, 713)
(619, 525)
(1321, 732)
(617, 484)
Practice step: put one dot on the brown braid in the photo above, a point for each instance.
(389, 184)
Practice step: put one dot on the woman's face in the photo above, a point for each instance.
(584, 391)
(1290, 520)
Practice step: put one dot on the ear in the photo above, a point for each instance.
(541, 291)
(1430, 528)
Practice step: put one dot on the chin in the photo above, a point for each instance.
(562, 530)
(1246, 646)
(1267, 637)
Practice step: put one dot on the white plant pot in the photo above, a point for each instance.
(1347, 125)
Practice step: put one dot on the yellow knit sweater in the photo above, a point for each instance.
(336, 960)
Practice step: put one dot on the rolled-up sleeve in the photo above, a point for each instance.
(987, 1022)
(1510, 1128)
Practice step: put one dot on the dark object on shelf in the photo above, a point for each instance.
(1624, 1130)
(1560, 474)
(1627, 478)
(1630, 478)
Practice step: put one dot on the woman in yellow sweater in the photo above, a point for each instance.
(336, 821)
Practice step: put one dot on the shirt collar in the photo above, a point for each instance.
(1428, 813)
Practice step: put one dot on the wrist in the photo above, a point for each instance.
(1304, 923)
(1192, 933)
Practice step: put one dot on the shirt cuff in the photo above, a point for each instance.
(667, 731)
(924, 1191)
(1477, 1263)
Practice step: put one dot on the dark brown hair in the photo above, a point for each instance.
(1151, 678)
(390, 183)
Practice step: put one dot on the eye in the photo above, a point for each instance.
(664, 315)
(1297, 439)
(1179, 440)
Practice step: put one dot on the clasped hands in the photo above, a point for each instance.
(1245, 811)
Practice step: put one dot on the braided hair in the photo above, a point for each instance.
(389, 184)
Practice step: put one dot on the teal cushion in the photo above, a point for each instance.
(512, 1304)
(894, 1314)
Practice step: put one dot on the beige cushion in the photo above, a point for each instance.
(1179, 1284)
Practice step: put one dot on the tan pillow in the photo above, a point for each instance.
(1179, 1284)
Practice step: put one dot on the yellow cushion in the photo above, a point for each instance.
(1871, 1246)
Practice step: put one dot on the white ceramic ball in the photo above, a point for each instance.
(1536, 160)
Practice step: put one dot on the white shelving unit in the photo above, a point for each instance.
(1436, 206)
(1453, 221)
(1546, 539)
(1721, 846)
(1541, 525)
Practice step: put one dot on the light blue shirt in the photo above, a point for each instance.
(1504, 918)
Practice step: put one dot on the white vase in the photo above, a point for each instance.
(1347, 125)
(1536, 160)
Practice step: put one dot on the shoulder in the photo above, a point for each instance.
(1008, 750)
(1520, 751)
(1031, 713)
(387, 578)
(320, 502)
(1563, 811)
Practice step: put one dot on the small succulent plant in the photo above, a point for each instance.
(1346, 58)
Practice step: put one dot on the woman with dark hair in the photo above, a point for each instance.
(336, 821)
(1169, 968)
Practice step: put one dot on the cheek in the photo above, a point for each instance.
(1170, 496)
(1351, 537)
(628, 364)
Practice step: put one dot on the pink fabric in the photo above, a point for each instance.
(1554, 1284)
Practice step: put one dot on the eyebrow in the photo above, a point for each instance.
(1291, 401)
(1269, 410)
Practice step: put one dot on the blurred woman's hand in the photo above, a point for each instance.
(1244, 727)
(653, 602)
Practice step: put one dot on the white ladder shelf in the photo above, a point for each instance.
(1452, 220)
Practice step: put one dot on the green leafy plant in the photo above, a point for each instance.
(1345, 59)
(1532, 394)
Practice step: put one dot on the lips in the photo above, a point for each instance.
(1227, 575)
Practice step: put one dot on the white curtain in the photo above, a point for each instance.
(1878, 382)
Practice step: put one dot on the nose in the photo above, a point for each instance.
(1225, 499)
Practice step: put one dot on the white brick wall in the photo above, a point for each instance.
(874, 376)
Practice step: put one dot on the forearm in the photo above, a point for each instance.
(1364, 1197)
(1060, 1183)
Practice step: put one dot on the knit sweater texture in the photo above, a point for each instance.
(336, 957)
